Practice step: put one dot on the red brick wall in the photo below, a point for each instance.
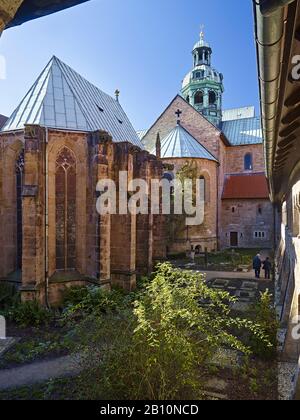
(235, 158)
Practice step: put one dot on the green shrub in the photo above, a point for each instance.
(29, 314)
(264, 314)
(82, 301)
(8, 295)
(160, 350)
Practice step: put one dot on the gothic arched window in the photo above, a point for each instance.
(248, 162)
(199, 99)
(19, 186)
(212, 98)
(65, 181)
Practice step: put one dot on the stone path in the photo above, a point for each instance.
(212, 275)
(39, 372)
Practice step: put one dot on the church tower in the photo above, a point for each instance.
(203, 86)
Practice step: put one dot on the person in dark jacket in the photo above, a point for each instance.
(267, 267)
(257, 265)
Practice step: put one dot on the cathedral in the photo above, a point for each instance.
(226, 148)
(66, 135)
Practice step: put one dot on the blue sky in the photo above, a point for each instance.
(142, 47)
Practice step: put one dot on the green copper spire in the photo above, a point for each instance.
(203, 86)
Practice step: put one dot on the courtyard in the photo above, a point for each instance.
(44, 361)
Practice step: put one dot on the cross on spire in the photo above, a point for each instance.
(202, 32)
(178, 113)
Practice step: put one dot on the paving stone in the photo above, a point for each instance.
(216, 396)
(241, 306)
(247, 285)
(6, 344)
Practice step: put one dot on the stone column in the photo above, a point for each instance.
(144, 254)
(158, 222)
(104, 162)
(124, 229)
(33, 261)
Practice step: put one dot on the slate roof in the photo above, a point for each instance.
(62, 99)
(246, 186)
(243, 131)
(181, 144)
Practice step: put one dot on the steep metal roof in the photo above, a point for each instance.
(243, 131)
(238, 113)
(62, 99)
(141, 134)
(3, 120)
(181, 144)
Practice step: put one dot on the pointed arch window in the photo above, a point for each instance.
(65, 190)
(199, 98)
(248, 162)
(212, 98)
(19, 186)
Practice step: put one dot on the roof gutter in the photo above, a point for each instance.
(269, 31)
(268, 7)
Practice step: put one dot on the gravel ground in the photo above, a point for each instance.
(286, 372)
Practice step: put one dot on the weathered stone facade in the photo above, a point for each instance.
(64, 240)
(251, 220)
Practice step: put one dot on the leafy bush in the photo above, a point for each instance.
(29, 314)
(82, 301)
(264, 314)
(8, 295)
(160, 350)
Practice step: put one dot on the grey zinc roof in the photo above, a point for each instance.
(3, 119)
(63, 99)
(181, 144)
(243, 131)
(238, 113)
(141, 134)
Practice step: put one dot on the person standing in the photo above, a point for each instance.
(267, 267)
(257, 265)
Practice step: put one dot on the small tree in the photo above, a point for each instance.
(264, 314)
(160, 350)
